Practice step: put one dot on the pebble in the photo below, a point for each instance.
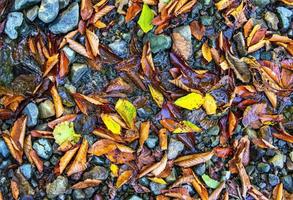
(285, 16)
(172, 177)
(26, 170)
(4, 151)
(291, 156)
(156, 187)
(32, 13)
(32, 113)
(288, 183)
(69, 53)
(261, 3)
(63, 3)
(175, 147)
(152, 141)
(97, 172)
(263, 167)
(119, 47)
(22, 4)
(46, 109)
(13, 24)
(200, 169)
(43, 148)
(78, 195)
(278, 160)
(78, 70)
(272, 20)
(184, 31)
(134, 197)
(57, 187)
(273, 180)
(49, 10)
(158, 42)
(67, 20)
(4, 164)
(214, 130)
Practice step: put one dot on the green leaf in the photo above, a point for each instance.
(211, 183)
(146, 18)
(127, 111)
(64, 132)
(190, 101)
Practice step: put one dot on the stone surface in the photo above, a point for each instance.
(156, 187)
(49, 10)
(261, 3)
(32, 13)
(288, 183)
(21, 4)
(285, 16)
(32, 113)
(273, 180)
(134, 197)
(152, 141)
(78, 195)
(69, 53)
(175, 147)
(263, 167)
(97, 172)
(4, 151)
(272, 20)
(184, 31)
(120, 48)
(278, 160)
(67, 20)
(26, 170)
(63, 3)
(57, 187)
(46, 109)
(43, 148)
(13, 24)
(77, 71)
(158, 42)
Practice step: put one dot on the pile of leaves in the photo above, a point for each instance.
(221, 83)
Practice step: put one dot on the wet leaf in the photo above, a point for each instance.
(157, 96)
(123, 178)
(64, 160)
(200, 188)
(193, 159)
(211, 183)
(127, 111)
(102, 147)
(206, 52)
(197, 30)
(64, 132)
(210, 104)
(143, 133)
(190, 101)
(75, 46)
(86, 9)
(187, 127)
(93, 41)
(86, 184)
(158, 180)
(146, 18)
(111, 124)
(57, 101)
(36, 160)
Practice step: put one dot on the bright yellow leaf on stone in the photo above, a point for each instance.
(190, 101)
(210, 104)
(111, 124)
(114, 169)
(127, 111)
(158, 180)
(157, 96)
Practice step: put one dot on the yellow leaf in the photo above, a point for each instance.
(187, 127)
(206, 52)
(127, 111)
(157, 96)
(210, 104)
(114, 169)
(190, 101)
(158, 180)
(123, 178)
(111, 124)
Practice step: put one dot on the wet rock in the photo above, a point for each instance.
(240, 43)
(285, 16)
(49, 10)
(158, 42)
(13, 24)
(206, 20)
(63, 3)
(119, 47)
(43, 148)
(225, 175)
(175, 147)
(69, 53)
(134, 197)
(85, 124)
(200, 169)
(278, 160)
(273, 180)
(22, 4)
(261, 3)
(288, 183)
(67, 100)
(4, 151)
(263, 167)
(78, 195)
(152, 141)
(98, 172)
(272, 20)
(291, 156)
(184, 31)
(156, 187)
(26, 170)
(46, 109)
(57, 187)
(32, 13)
(67, 21)
(78, 70)
(32, 113)
(214, 130)
(4, 164)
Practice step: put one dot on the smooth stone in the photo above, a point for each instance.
(32, 13)
(57, 187)
(200, 169)
(22, 4)
(261, 3)
(13, 24)
(285, 16)
(272, 20)
(273, 180)
(63, 3)
(32, 113)
(263, 167)
(206, 20)
(67, 21)
(225, 175)
(291, 156)
(278, 160)
(67, 99)
(43, 148)
(78, 195)
(119, 47)
(78, 70)
(214, 131)
(69, 53)
(175, 147)
(134, 197)
(97, 172)
(4, 151)
(4, 164)
(46, 109)
(156, 187)
(184, 31)
(158, 42)
(26, 170)
(288, 183)
(49, 10)
(152, 141)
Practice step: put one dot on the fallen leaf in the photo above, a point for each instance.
(193, 159)
(157, 96)
(111, 124)
(64, 132)
(163, 139)
(64, 160)
(146, 17)
(143, 133)
(197, 30)
(190, 101)
(93, 41)
(86, 184)
(123, 178)
(86, 9)
(114, 170)
(206, 52)
(158, 180)
(57, 101)
(75, 46)
(186, 127)
(211, 183)
(210, 104)
(127, 111)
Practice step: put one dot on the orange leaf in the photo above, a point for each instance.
(200, 188)
(86, 9)
(197, 29)
(102, 147)
(232, 123)
(161, 166)
(194, 159)
(79, 164)
(132, 12)
(69, 118)
(93, 41)
(163, 138)
(206, 52)
(63, 65)
(78, 48)
(144, 133)
(50, 63)
(14, 189)
(247, 27)
(37, 161)
(284, 136)
(57, 101)
(64, 160)
(86, 184)
(123, 178)
(18, 131)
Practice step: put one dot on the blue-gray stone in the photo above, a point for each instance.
(156, 187)
(32, 113)
(4, 164)
(158, 42)
(119, 47)
(4, 151)
(49, 10)
(263, 167)
(152, 141)
(13, 24)
(43, 148)
(26, 170)
(21, 4)
(288, 183)
(134, 197)
(57, 187)
(67, 21)
(261, 3)
(77, 71)
(278, 160)
(32, 13)
(78, 195)
(272, 20)
(63, 3)
(273, 180)
(69, 53)
(97, 172)
(46, 109)
(285, 16)
(175, 147)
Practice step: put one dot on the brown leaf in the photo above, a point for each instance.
(144, 133)
(247, 27)
(123, 178)
(86, 184)
(182, 46)
(197, 30)
(86, 9)
(256, 194)
(75, 46)
(5, 114)
(63, 65)
(244, 178)
(119, 157)
(223, 152)
(27, 147)
(42, 134)
(132, 12)
(50, 63)
(102, 147)
(200, 188)
(98, 15)
(217, 192)
(93, 41)
(284, 136)
(64, 160)
(161, 166)
(278, 191)
(37, 161)
(194, 159)
(232, 123)
(80, 162)
(57, 101)
(163, 139)
(68, 117)
(14, 189)
(69, 35)
(17, 133)
(206, 52)
(147, 61)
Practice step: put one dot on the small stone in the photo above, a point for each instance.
(26, 170)
(261, 3)
(32, 113)
(57, 187)
(156, 187)
(288, 183)
(144, 181)
(46, 109)
(175, 147)
(4, 164)
(263, 167)
(78, 195)
(240, 43)
(278, 160)
(4, 151)
(63, 3)
(291, 156)
(250, 169)
(67, 21)
(69, 53)
(77, 71)
(272, 20)
(32, 13)
(273, 180)
(184, 31)
(22, 4)
(134, 197)
(213, 130)
(200, 169)
(206, 20)
(98, 172)
(13, 24)
(158, 42)
(119, 47)
(67, 99)
(152, 141)
(225, 175)
(43, 148)
(285, 16)
(49, 10)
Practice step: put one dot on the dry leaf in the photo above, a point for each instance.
(86, 9)
(93, 41)
(80, 162)
(144, 134)
(75, 46)
(194, 159)
(57, 101)
(206, 52)
(86, 184)
(123, 178)
(64, 160)
(197, 30)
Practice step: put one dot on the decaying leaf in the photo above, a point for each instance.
(157, 96)
(86, 184)
(127, 111)
(64, 160)
(144, 133)
(64, 132)
(123, 178)
(194, 159)
(210, 104)
(93, 41)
